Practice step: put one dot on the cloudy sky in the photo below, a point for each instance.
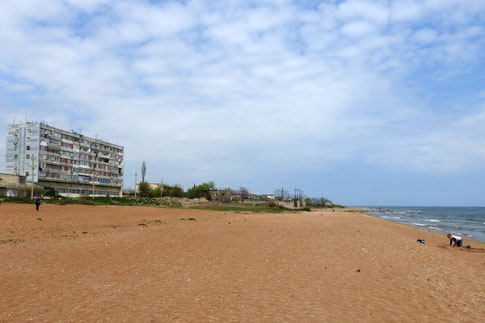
(364, 102)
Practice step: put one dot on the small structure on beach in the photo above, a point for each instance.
(12, 185)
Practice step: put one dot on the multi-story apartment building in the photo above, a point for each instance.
(72, 164)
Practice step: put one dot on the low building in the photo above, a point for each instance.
(152, 186)
(225, 195)
(16, 186)
(10, 185)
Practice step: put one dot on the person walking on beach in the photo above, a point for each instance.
(456, 239)
(37, 204)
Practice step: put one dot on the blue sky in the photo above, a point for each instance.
(363, 102)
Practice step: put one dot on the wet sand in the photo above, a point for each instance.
(141, 264)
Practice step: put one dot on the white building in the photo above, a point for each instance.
(72, 164)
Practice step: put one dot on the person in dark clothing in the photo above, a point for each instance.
(456, 239)
(37, 204)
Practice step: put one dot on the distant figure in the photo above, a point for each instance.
(456, 239)
(37, 204)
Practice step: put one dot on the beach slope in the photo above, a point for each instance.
(87, 263)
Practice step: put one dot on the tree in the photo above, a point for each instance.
(168, 191)
(156, 192)
(176, 191)
(144, 189)
(318, 201)
(244, 192)
(143, 171)
(202, 190)
(281, 193)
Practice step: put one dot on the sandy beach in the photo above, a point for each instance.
(141, 264)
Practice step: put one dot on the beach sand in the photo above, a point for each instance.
(141, 264)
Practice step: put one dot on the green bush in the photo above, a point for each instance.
(202, 190)
(23, 200)
(50, 192)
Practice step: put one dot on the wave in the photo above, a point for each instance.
(460, 221)
(419, 224)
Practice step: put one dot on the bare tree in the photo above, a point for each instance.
(143, 171)
(318, 200)
(244, 192)
(281, 193)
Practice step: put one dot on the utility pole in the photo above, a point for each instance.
(94, 177)
(161, 188)
(135, 184)
(32, 158)
(94, 171)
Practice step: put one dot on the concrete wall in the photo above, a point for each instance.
(10, 180)
(15, 186)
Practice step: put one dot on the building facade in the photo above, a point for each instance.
(73, 164)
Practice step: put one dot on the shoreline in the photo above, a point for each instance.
(477, 242)
(423, 227)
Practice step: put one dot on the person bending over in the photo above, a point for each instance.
(458, 241)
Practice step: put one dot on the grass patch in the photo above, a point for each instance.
(121, 201)
(21, 200)
(238, 208)
(331, 206)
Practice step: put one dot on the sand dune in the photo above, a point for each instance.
(86, 264)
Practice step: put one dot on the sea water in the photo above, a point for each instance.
(467, 222)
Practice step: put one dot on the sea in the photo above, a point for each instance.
(467, 222)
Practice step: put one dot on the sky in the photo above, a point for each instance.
(363, 102)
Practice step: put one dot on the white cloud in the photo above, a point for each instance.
(371, 11)
(406, 10)
(87, 5)
(357, 29)
(216, 86)
(426, 35)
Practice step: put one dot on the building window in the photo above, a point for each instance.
(28, 147)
